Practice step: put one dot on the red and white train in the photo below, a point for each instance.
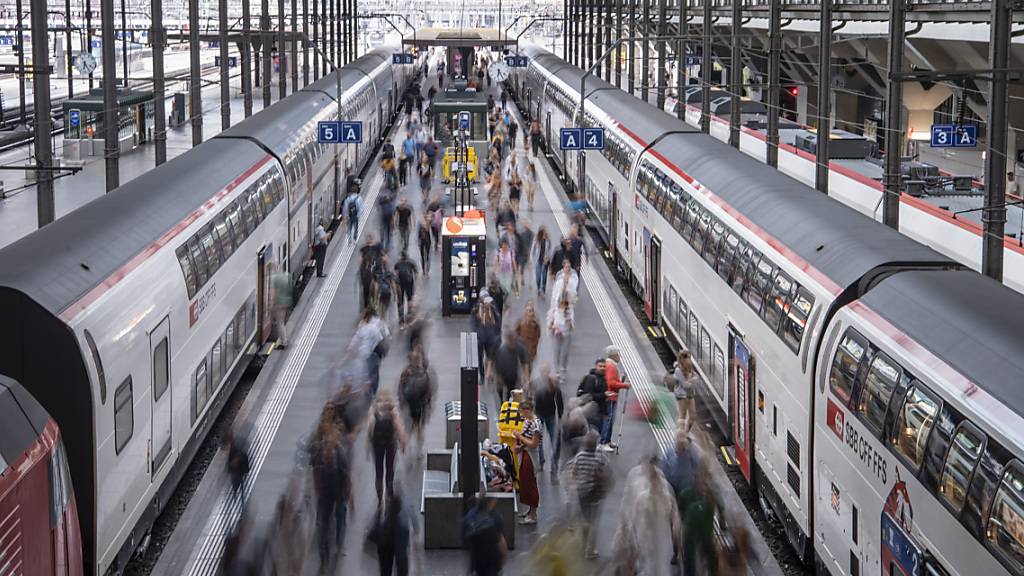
(869, 383)
(132, 318)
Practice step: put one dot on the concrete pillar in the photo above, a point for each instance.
(801, 103)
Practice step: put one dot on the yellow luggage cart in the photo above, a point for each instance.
(448, 165)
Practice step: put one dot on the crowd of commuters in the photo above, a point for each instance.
(566, 449)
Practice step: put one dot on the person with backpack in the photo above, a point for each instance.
(392, 532)
(386, 205)
(590, 475)
(484, 535)
(423, 241)
(370, 255)
(594, 387)
(238, 464)
(416, 389)
(331, 484)
(403, 219)
(387, 436)
(547, 397)
(353, 209)
(369, 346)
(405, 158)
(405, 274)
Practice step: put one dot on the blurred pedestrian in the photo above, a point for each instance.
(527, 329)
(403, 219)
(423, 241)
(505, 267)
(320, 239)
(392, 531)
(566, 284)
(535, 135)
(590, 474)
(550, 405)
(416, 389)
(524, 242)
(488, 335)
(406, 157)
(288, 529)
(500, 296)
(530, 183)
(281, 299)
(684, 378)
(437, 218)
(541, 254)
(238, 466)
(515, 188)
(331, 485)
(370, 257)
(513, 131)
(386, 213)
(352, 208)
(561, 324)
(648, 533)
(369, 346)
(528, 442)
(405, 276)
(616, 382)
(424, 172)
(484, 533)
(595, 386)
(386, 435)
(509, 360)
(385, 287)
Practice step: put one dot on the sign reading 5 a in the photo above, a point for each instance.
(331, 132)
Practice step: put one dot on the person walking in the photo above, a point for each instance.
(423, 241)
(403, 218)
(416, 390)
(535, 136)
(590, 473)
(684, 378)
(436, 218)
(405, 274)
(406, 158)
(504, 99)
(369, 346)
(320, 239)
(484, 534)
(424, 172)
(527, 443)
(550, 405)
(541, 254)
(560, 326)
(331, 486)
(352, 208)
(594, 386)
(524, 243)
(392, 531)
(281, 298)
(513, 130)
(387, 436)
(527, 330)
(370, 256)
(505, 267)
(530, 183)
(386, 210)
(488, 335)
(508, 360)
(615, 381)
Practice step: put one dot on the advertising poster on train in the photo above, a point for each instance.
(740, 385)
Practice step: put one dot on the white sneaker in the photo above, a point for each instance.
(605, 448)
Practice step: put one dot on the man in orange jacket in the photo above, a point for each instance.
(615, 382)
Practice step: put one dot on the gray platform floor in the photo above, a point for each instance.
(286, 400)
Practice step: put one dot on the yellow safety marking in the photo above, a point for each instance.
(725, 454)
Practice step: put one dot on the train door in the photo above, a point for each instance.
(547, 133)
(160, 432)
(742, 377)
(264, 269)
(613, 221)
(652, 273)
(529, 104)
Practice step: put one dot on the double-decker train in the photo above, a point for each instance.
(132, 318)
(868, 383)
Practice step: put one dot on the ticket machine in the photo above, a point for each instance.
(463, 262)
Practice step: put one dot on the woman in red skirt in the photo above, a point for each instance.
(527, 443)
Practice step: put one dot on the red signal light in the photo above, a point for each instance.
(794, 91)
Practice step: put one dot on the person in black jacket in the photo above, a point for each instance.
(594, 386)
(549, 406)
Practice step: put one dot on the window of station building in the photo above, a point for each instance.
(124, 415)
(914, 420)
(846, 363)
(1005, 532)
(101, 375)
(962, 458)
(881, 380)
(778, 300)
(795, 321)
(187, 270)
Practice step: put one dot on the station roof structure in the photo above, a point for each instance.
(456, 37)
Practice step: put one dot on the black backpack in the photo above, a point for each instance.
(389, 151)
(383, 429)
(353, 211)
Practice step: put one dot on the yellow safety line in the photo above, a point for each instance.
(725, 454)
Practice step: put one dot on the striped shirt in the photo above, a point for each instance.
(590, 473)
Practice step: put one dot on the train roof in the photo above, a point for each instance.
(967, 320)
(278, 128)
(850, 245)
(22, 420)
(353, 72)
(59, 263)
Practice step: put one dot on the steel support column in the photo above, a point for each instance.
(88, 33)
(661, 82)
(305, 42)
(591, 39)
(293, 63)
(824, 96)
(645, 51)
(246, 52)
(577, 48)
(282, 72)
(124, 44)
(608, 6)
(681, 81)
(332, 31)
(774, 80)
(707, 62)
(565, 35)
(41, 101)
(111, 152)
(195, 79)
(157, 40)
(632, 47)
(315, 39)
(894, 118)
(345, 15)
(225, 76)
(994, 216)
(323, 36)
(68, 60)
(736, 74)
(266, 40)
(21, 60)
(619, 15)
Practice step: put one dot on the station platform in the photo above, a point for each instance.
(285, 402)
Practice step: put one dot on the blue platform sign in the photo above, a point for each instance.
(942, 135)
(403, 58)
(692, 60)
(351, 132)
(593, 138)
(954, 136)
(328, 132)
(74, 118)
(570, 138)
(7, 40)
(966, 136)
(463, 120)
(232, 61)
(522, 61)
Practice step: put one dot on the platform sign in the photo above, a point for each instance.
(954, 136)
(403, 58)
(7, 40)
(593, 138)
(966, 136)
(463, 120)
(570, 138)
(74, 117)
(693, 60)
(328, 132)
(942, 135)
(351, 132)
(232, 61)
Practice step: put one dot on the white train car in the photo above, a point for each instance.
(750, 271)
(132, 318)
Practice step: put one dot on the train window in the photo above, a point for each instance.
(234, 213)
(249, 214)
(914, 421)
(227, 241)
(693, 337)
(200, 388)
(680, 320)
(794, 323)
(161, 369)
(759, 283)
(257, 204)
(777, 305)
(100, 374)
(725, 256)
(268, 195)
(882, 378)
(700, 232)
(124, 415)
(715, 232)
(739, 276)
(718, 374)
(186, 270)
(199, 259)
(692, 217)
(1005, 532)
(216, 364)
(846, 364)
(961, 460)
(210, 244)
(705, 350)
